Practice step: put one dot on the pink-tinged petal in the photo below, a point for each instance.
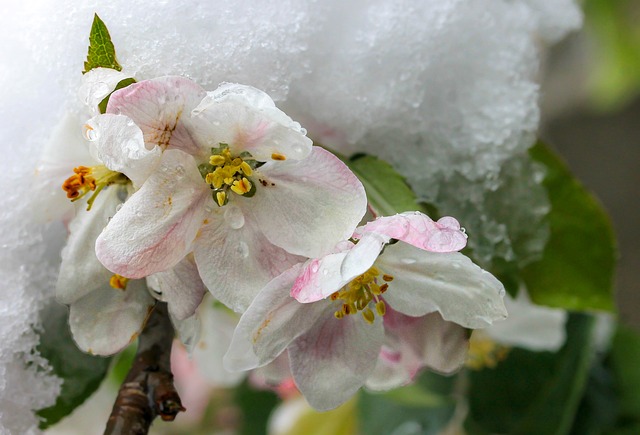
(235, 259)
(320, 278)
(155, 228)
(419, 230)
(118, 143)
(161, 108)
(445, 282)
(272, 321)
(331, 361)
(307, 207)
(180, 287)
(363, 255)
(80, 271)
(247, 119)
(106, 320)
(217, 326)
(97, 84)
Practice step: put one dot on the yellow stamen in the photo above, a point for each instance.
(241, 186)
(359, 293)
(91, 179)
(484, 352)
(217, 160)
(118, 282)
(221, 197)
(278, 156)
(387, 278)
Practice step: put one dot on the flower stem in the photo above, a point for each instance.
(148, 390)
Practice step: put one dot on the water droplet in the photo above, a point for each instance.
(208, 208)
(314, 267)
(303, 130)
(180, 171)
(233, 217)
(456, 266)
(298, 150)
(408, 260)
(118, 207)
(216, 123)
(241, 250)
(502, 292)
(325, 272)
(90, 133)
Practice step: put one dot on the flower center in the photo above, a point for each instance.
(91, 179)
(225, 173)
(361, 292)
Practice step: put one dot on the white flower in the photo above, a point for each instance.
(239, 184)
(333, 338)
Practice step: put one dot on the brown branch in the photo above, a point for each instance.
(148, 390)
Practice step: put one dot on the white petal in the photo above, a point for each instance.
(446, 282)
(363, 255)
(187, 330)
(180, 287)
(66, 150)
(118, 143)
(106, 320)
(246, 119)
(530, 326)
(331, 361)
(161, 108)
(155, 228)
(98, 83)
(272, 321)
(419, 230)
(80, 271)
(319, 278)
(307, 207)
(216, 332)
(234, 258)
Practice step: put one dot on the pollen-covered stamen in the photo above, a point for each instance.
(360, 293)
(118, 282)
(484, 352)
(91, 179)
(225, 173)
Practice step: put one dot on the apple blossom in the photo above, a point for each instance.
(239, 184)
(333, 350)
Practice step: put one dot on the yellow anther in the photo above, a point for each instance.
(383, 288)
(381, 308)
(484, 352)
(368, 316)
(278, 156)
(221, 198)
(217, 160)
(387, 278)
(246, 169)
(118, 282)
(241, 186)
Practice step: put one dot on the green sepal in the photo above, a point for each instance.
(102, 53)
(121, 84)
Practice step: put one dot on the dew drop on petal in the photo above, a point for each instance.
(180, 171)
(234, 217)
(325, 272)
(314, 267)
(408, 260)
(118, 207)
(241, 250)
(208, 208)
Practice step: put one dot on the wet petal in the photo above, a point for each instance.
(247, 119)
(161, 107)
(272, 321)
(331, 361)
(106, 320)
(180, 287)
(155, 228)
(307, 207)
(234, 258)
(118, 143)
(80, 271)
(419, 230)
(446, 282)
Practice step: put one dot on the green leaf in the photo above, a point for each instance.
(256, 406)
(121, 84)
(578, 262)
(425, 407)
(533, 393)
(81, 372)
(625, 362)
(102, 53)
(387, 191)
